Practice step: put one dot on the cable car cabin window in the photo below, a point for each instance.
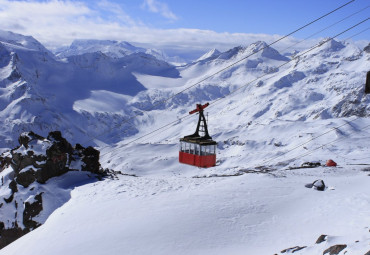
(197, 149)
(207, 150)
(191, 148)
(213, 149)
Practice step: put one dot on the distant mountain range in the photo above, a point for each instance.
(90, 89)
(113, 49)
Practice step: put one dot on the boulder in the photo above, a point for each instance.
(317, 185)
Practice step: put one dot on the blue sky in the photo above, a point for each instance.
(238, 16)
(179, 25)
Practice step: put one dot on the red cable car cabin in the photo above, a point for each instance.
(198, 150)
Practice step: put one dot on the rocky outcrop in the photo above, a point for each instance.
(29, 166)
(321, 239)
(367, 48)
(335, 249)
(293, 249)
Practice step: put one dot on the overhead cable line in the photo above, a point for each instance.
(322, 146)
(318, 45)
(325, 28)
(214, 74)
(308, 141)
(147, 134)
(232, 92)
(357, 33)
(307, 51)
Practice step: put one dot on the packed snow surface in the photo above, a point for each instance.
(177, 214)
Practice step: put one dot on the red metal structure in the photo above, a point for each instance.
(195, 149)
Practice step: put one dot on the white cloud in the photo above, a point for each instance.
(57, 23)
(161, 8)
(117, 10)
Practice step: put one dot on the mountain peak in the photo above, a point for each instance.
(331, 44)
(210, 54)
(18, 40)
(266, 51)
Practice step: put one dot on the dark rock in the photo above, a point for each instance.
(91, 160)
(367, 253)
(26, 137)
(20, 161)
(79, 147)
(4, 162)
(293, 249)
(26, 178)
(321, 239)
(54, 166)
(13, 186)
(56, 160)
(367, 48)
(310, 164)
(10, 235)
(32, 210)
(335, 249)
(317, 185)
(9, 199)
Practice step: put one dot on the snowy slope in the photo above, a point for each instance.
(254, 201)
(175, 214)
(39, 93)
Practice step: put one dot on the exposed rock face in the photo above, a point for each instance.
(26, 168)
(367, 48)
(32, 210)
(293, 249)
(335, 249)
(321, 239)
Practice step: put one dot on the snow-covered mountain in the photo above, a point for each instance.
(113, 49)
(268, 113)
(42, 93)
(110, 48)
(210, 54)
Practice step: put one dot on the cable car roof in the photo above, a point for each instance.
(198, 140)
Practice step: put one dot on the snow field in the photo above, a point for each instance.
(248, 214)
